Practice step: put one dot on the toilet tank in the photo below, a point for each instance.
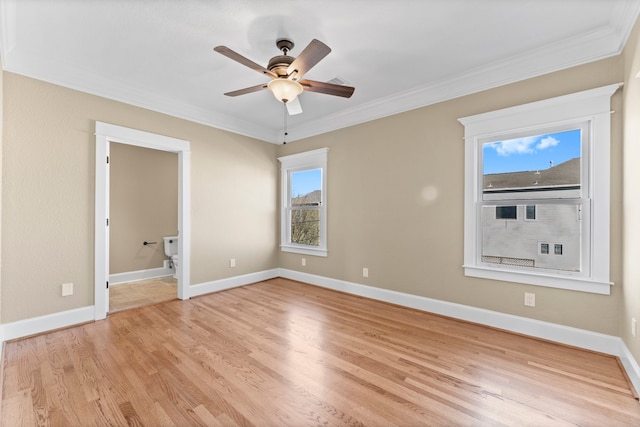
(170, 245)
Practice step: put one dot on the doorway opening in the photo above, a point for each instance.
(128, 295)
(143, 214)
(105, 135)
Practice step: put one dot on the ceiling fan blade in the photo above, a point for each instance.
(294, 107)
(327, 88)
(244, 61)
(246, 90)
(310, 56)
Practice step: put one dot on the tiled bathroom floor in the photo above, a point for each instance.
(144, 292)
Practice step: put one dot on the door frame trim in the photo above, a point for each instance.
(105, 134)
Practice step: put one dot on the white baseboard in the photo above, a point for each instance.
(134, 276)
(594, 341)
(63, 319)
(232, 282)
(49, 322)
(630, 365)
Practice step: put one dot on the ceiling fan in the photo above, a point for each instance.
(286, 73)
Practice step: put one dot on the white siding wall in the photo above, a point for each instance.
(521, 238)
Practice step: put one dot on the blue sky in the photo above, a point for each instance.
(304, 182)
(530, 153)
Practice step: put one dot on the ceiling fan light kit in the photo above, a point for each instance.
(285, 90)
(285, 71)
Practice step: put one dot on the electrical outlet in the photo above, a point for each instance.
(232, 262)
(67, 289)
(365, 272)
(304, 262)
(529, 299)
(634, 326)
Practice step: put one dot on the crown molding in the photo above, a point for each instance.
(599, 44)
(595, 46)
(84, 81)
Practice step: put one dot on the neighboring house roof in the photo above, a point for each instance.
(561, 175)
(310, 199)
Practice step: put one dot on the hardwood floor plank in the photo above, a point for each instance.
(18, 410)
(284, 353)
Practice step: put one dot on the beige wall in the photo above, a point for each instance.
(631, 207)
(395, 200)
(143, 206)
(48, 195)
(395, 205)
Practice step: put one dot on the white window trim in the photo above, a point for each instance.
(314, 159)
(593, 106)
(535, 212)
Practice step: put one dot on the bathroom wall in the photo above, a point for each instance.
(143, 206)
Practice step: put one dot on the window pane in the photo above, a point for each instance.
(518, 242)
(535, 167)
(305, 227)
(306, 188)
(531, 212)
(506, 212)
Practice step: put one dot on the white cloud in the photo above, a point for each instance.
(514, 146)
(526, 145)
(546, 142)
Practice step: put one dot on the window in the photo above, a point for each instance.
(518, 170)
(305, 196)
(543, 166)
(530, 212)
(506, 212)
(303, 210)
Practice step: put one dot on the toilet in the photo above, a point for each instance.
(171, 250)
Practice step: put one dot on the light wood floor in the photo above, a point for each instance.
(124, 296)
(283, 353)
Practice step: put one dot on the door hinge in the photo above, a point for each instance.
(107, 222)
(107, 284)
(107, 159)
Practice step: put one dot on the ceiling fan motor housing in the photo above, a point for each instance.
(279, 64)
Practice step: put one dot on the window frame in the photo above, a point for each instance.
(590, 106)
(543, 248)
(528, 217)
(308, 160)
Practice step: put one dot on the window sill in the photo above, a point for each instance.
(572, 283)
(304, 250)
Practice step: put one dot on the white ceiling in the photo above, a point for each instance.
(399, 55)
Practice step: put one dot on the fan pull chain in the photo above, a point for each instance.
(284, 139)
